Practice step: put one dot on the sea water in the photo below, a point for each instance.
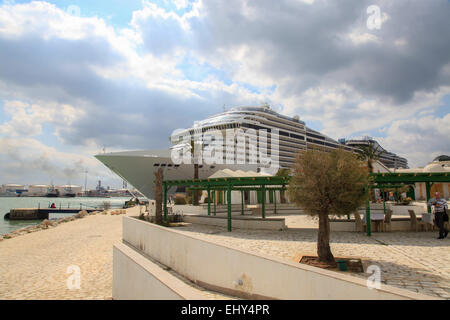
(6, 204)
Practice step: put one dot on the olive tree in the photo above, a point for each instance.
(327, 183)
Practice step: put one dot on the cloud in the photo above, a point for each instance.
(27, 120)
(98, 85)
(422, 139)
(123, 99)
(308, 45)
(28, 161)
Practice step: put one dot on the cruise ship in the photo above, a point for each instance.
(290, 134)
(389, 159)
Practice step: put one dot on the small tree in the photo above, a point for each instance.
(326, 184)
(370, 154)
(157, 188)
(283, 172)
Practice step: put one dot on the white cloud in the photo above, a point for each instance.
(129, 88)
(362, 38)
(28, 161)
(419, 139)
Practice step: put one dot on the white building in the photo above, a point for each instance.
(12, 189)
(37, 190)
(439, 164)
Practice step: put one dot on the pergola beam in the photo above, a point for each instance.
(410, 177)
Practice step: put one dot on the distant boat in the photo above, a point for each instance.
(68, 192)
(52, 192)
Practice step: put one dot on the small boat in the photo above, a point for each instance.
(70, 195)
(52, 192)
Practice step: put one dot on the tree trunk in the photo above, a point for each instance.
(195, 192)
(370, 165)
(282, 197)
(158, 196)
(372, 197)
(323, 241)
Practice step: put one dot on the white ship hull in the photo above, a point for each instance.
(138, 168)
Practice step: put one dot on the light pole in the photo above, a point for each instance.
(85, 181)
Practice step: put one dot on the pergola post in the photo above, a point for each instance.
(263, 198)
(369, 231)
(242, 202)
(165, 201)
(209, 201)
(384, 200)
(428, 190)
(229, 206)
(214, 200)
(275, 201)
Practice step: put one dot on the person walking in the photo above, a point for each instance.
(440, 214)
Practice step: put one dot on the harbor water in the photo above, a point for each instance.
(6, 204)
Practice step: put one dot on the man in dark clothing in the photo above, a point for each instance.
(440, 214)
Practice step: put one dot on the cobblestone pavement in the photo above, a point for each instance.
(34, 265)
(415, 261)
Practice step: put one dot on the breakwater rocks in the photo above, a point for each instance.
(48, 224)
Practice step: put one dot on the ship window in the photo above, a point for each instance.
(200, 166)
(156, 165)
(169, 165)
(177, 165)
(212, 167)
(163, 164)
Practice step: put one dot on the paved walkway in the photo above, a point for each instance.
(413, 261)
(34, 266)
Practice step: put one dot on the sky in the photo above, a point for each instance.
(80, 76)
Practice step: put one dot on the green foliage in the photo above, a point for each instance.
(283, 172)
(328, 183)
(370, 154)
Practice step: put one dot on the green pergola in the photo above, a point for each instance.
(228, 185)
(398, 180)
(378, 181)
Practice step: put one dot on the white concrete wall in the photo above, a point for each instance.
(342, 226)
(349, 226)
(190, 209)
(253, 224)
(137, 278)
(403, 210)
(418, 208)
(222, 266)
